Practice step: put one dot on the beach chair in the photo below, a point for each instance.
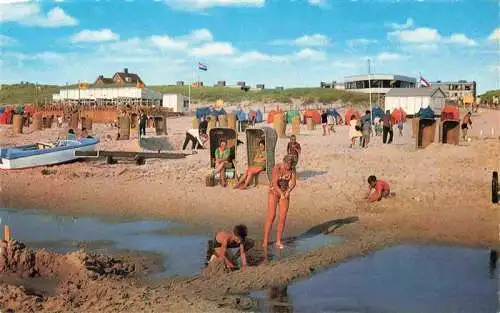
(215, 136)
(426, 132)
(254, 135)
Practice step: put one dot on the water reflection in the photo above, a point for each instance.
(278, 299)
(493, 262)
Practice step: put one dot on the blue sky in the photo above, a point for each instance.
(275, 42)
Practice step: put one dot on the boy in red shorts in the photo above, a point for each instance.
(381, 187)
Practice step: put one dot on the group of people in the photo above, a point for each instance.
(282, 184)
(362, 129)
(83, 134)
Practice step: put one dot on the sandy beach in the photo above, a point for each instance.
(442, 196)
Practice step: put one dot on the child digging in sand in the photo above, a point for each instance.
(378, 189)
(224, 240)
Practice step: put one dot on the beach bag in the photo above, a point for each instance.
(210, 180)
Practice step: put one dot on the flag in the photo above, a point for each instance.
(424, 82)
(202, 67)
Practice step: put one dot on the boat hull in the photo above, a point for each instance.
(43, 159)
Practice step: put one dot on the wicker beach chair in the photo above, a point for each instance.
(215, 136)
(270, 137)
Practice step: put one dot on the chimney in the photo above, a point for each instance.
(125, 70)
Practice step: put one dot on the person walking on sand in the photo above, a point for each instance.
(366, 129)
(282, 183)
(387, 127)
(377, 189)
(354, 131)
(293, 149)
(465, 124)
(400, 127)
(142, 124)
(324, 123)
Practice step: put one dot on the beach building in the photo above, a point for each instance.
(411, 100)
(128, 95)
(120, 78)
(460, 91)
(379, 83)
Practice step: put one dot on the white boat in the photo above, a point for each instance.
(41, 154)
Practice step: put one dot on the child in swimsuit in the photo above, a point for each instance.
(381, 187)
(224, 240)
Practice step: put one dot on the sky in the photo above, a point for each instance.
(289, 43)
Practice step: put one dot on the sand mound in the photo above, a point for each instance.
(16, 258)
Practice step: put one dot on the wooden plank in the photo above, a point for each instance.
(130, 154)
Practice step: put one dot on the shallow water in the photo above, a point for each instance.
(183, 252)
(182, 255)
(405, 278)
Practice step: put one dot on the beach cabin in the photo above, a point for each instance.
(411, 100)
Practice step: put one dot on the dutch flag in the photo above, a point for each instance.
(202, 67)
(424, 82)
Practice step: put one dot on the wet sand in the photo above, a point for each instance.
(442, 196)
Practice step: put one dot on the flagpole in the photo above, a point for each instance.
(370, 87)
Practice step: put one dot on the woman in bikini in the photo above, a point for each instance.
(282, 184)
(258, 165)
(224, 240)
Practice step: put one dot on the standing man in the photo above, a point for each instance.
(387, 128)
(324, 123)
(142, 124)
(366, 128)
(293, 149)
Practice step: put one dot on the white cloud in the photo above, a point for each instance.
(312, 41)
(169, 43)
(205, 4)
(495, 35)
(388, 56)
(319, 3)
(6, 40)
(213, 49)
(310, 54)
(255, 56)
(461, 39)
(408, 24)
(418, 35)
(202, 34)
(87, 35)
(360, 42)
(30, 14)
(315, 40)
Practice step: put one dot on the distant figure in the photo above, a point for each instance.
(224, 240)
(381, 189)
(331, 123)
(400, 127)
(387, 128)
(378, 127)
(203, 125)
(366, 129)
(71, 135)
(59, 121)
(465, 124)
(324, 123)
(293, 149)
(142, 124)
(354, 131)
(84, 133)
(196, 137)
